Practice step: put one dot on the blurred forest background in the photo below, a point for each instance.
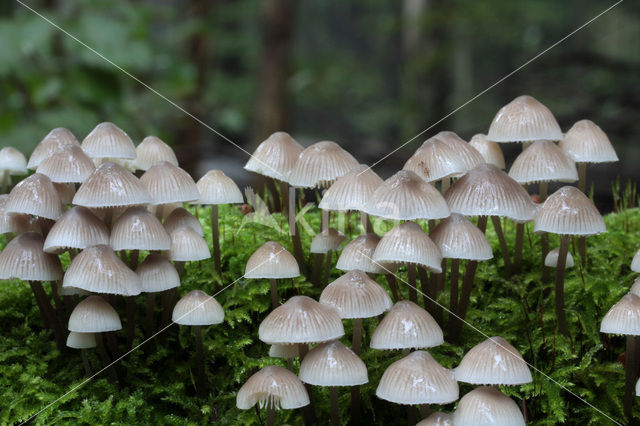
(367, 74)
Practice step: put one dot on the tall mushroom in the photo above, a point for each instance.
(151, 151)
(490, 151)
(487, 406)
(406, 326)
(108, 143)
(169, 184)
(68, 165)
(436, 160)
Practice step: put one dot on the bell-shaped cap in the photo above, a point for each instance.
(327, 240)
(285, 351)
(407, 326)
(12, 161)
(272, 387)
(351, 191)
(435, 160)
(493, 362)
(197, 308)
(151, 151)
(51, 143)
(469, 155)
(355, 295)
(623, 317)
(24, 259)
(13, 222)
(77, 228)
(407, 243)
(358, 254)
(543, 161)
(110, 185)
(437, 419)
(275, 157)
(552, 259)
(94, 315)
(320, 164)
(35, 195)
(417, 379)
(169, 184)
(107, 140)
(271, 260)
(458, 238)
(157, 274)
(490, 151)
(138, 229)
(217, 188)
(585, 142)
(568, 212)
(406, 196)
(524, 119)
(182, 217)
(488, 191)
(97, 269)
(187, 246)
(68, 165)
(333, 364)
(77, 340)
(487, 406)
(301, 320)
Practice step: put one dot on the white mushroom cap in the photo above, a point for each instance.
(181, 217)
(197, 308)
(468, 154)
(157, 274)
(68, 165)
(320, 164)
(51, 143)
(23, 258)
(458, 238)
(13, 161)
(355, 295)
(272, 387)
(417, 379)
(271, 260)
(543, 161)
(585, 142)
(552, 259)
(524, 119)
(435, 160)
(487, 406)
(167, 183)
(437, 419)
(110, 185)
(76, 228)
(327, 240)
(138, 229)
(406, 326)
(493, 362)
(107, 140)
(275, 156)
(407, 243)
(623, 317)
(187, 245)
(35, 195)
(81, 340)
(333, 364)
(153, 150)
(358, 254)
(489, 150)
(94, 315)
(301, 320)
(568, 212)
(217, 188)
(351, 191)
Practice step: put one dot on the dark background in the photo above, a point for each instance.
(367, 74)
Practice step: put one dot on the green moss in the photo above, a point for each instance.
(157, 384)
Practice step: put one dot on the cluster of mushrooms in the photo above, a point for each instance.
(85, 199)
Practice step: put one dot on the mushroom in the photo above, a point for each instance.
(487, 406)
(272, 261)
(469, 155)
(552, 259)
(436, 160)
(68, 165)
(417, 379)
(156, 274)
(524, 119)
(567, 212)
(35, 195)
(217, 188)
(459, 239)
(272, 387)
(77, 229)
(624, 318)
(51, 143)
(181, 217)
(151, 151)
(275, 157)
(490, 151)
(108, 142)
(325, 243)
(168, 184)
(406, 326)
(540, 163)
(198, 309)
(333, 364)
(437, 419)
(12, 162)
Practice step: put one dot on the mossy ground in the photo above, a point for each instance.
(157, 380)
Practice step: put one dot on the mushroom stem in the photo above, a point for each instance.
(428, 293)
(316, 269)
(284, 194)
(308, 412)
(168, 301)
(5, 181)
(271, 415)
(582, 250)
(355, 405)
(366, 223)
(106, 361)
(335, 418)
(48, 314)
(631, 364)
(151, 302)
(327, 268)
(544, 247)
(295, 232)
(215, 236)
(201, 381)
(411, 274)
(131, 320)
(559, 288)
(453, 290)
(582, 176)
(134, 255)
(503, 244)
(411, 415)
(517, 251)
(357, 335)
(393, 286)
(482, 223)
(463, 303)
(273, 284)
(85, 362)
(424, 410)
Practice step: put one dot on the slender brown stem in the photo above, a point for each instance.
(316, 268)
(453, 290)
(544, 249)
(366, 223)
(308, 412)
(582, 176)
(85, 362)
(355, 405)
(327, 268)
(582, 250)
(295, 233)
(131, 320)
(411, 272)
(427, 291)
(411, 415)
(357, 335)
(632, 362)
(271, 415)
(393, 286)
(335, 418)
(215, 237)
(503, 244)
(559, 287)
(465, 296)
(48, 314)
(201, 382)
(5, 181)
(424, 410)
(273, 284)
(517, 251)
(112, 342)
(168, 301)
(482, 223)
(105, 357)
(134, 256)
(151, 304)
